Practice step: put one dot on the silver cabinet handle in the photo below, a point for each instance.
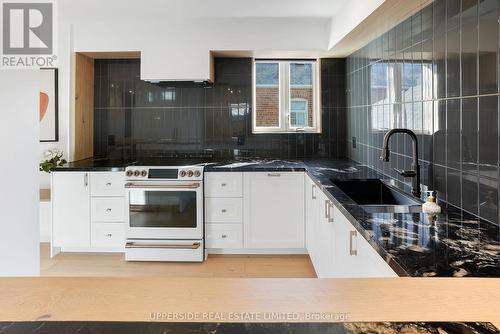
(108, 210)
(313, 192)
(330, 206)
(194, 245)
(223, 184)
(166, 186)
(352, 235)
(274, 174)
(86, 179)
(224, 236)
(223, 210)
(109, 235)
(327, 209)
(108, 184)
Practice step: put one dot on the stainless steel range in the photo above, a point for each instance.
(165, 220)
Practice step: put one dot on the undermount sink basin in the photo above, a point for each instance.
(373, 195)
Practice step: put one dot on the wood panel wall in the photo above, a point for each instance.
(84, 107)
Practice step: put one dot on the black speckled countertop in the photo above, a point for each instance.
(67, 327)
(451, 244)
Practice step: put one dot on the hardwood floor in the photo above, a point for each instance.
(114, 264)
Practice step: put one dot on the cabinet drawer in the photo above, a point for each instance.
(108, 235)
(107, 184)
(224, 184)
(110, 209)
(224, 210)
(224, 236)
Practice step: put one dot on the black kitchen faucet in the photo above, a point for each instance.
(415, 173)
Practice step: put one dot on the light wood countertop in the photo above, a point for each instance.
(136, 299)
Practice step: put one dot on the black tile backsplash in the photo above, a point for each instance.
(135, 118)
(437, 75)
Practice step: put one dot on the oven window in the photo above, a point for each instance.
(174, 209)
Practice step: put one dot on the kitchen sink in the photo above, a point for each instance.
(373, 195)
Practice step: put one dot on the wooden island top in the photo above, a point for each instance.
(250, 300)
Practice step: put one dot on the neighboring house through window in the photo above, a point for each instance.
(286, 96)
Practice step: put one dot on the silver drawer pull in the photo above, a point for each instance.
(108, 184)
(166, 186)
(224, 236)
(330, 217)
(109, 235)
(194, 245)
(223, 184)
(352, 235)
(274, 174)
(313, 192)
(108, 210)
(223, 210)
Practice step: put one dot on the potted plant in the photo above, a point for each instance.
(52, 159)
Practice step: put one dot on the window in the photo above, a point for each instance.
(298, 113)
(286, 96)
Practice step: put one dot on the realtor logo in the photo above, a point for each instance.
(28, 34)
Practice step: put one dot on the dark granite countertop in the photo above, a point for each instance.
(451, 244)
(95, 165)
(68, 327)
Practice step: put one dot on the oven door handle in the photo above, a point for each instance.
(194, 245)
(165, 186)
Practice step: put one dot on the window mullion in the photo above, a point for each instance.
(285, 108)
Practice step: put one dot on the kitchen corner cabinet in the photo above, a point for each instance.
(273, 209)
(70, 209)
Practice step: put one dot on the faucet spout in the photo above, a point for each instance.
(415, 174)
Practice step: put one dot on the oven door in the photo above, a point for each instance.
(165, 210)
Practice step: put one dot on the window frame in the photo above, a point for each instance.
(285, 98)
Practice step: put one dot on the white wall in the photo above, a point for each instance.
(19, 195)
(349, 17)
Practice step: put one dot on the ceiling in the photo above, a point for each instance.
(160, 9)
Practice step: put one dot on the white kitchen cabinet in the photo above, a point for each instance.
(312, 217)
(70, 209)
(109, 236)
(354, 256)
(107, 209)
(223, 210)
(224, 236)
(223, 184)
(273, 211)
(107, 184)
(324, 263)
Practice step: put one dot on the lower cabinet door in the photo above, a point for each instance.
(273, 212)
(324, 259)
(108, 235)
(355, 257)
(224, 235)
(70, 209)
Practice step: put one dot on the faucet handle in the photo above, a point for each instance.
(406, 173)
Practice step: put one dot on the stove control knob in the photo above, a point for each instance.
(190, 173)
(129, 173)
(182, 173)
(137, 173)
(197, 173)
(144, 173)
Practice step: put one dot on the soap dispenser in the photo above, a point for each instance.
(430, 206)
